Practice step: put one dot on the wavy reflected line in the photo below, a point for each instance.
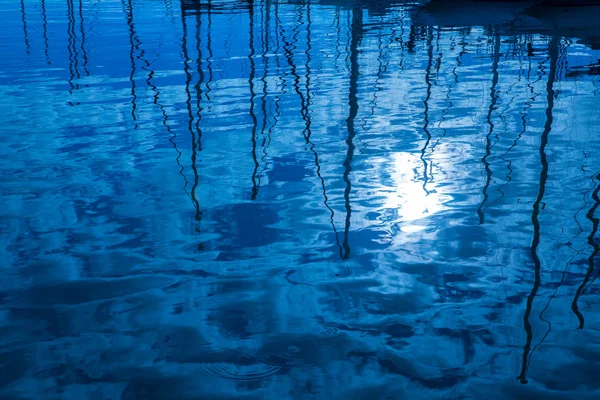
(133, 47)
(151, 83)
(255, 178)
(438, 65)
(165, 122)
(381, 69)
(288, 50)
(426, 106)
(488, 142)
(445, 110)
(399, 39)
(82, 33)
(564, 274)
(209, 59)
(338, 29)
(264, 43)
(524, 114)
(24, 21)
(356, 35)
(277, 113)
(190, 126)
(45, 31)
(200, 81)
(553, 53)
(596, 249)
(71, 47)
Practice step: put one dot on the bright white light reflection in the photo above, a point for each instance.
(408, 196)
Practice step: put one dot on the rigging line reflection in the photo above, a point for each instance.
(277, 113)
(200, 81)
(338, 29)
(264, 42)
(309, 97)
(71, 47)
(524, 114)
(82, 33)
(561, 60)
(255, 178)
(381, 68)
(24, 21)
(596, 249)
(190, 125)
(133, 48)
(151, 83)
(553, 55)
(45, 31)
(488, 142)
(438, 65)
(209, 59)
(289, 55)
(356, 36)
(426, 106)
(401, 40)
(165, 121)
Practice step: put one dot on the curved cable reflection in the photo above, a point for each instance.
(553, 53)
(356, 35)
(591, 259)
(494, 100)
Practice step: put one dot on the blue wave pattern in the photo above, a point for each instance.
(307, 200)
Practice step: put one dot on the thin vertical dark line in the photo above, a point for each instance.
(265, 49)
(426, 105)
(309, 122)
(381, 68)
(45, 31)
(198, 131)
(438, 65)
(165, 122)
(596, 249)
(82, 32)
(128, 9)
(24, 20)
(150, 81)
(306, 117)
(255, 178)
(71, 45)
(210, 51)
(524, 114)
(356, 34)
(553, 52)
(278, 67)
(188, 102)
(488, 142)
(198, 85)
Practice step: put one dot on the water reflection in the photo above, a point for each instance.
(265, 199)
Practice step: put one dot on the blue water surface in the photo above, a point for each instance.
(299, 200)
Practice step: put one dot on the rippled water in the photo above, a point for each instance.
(357, 200)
